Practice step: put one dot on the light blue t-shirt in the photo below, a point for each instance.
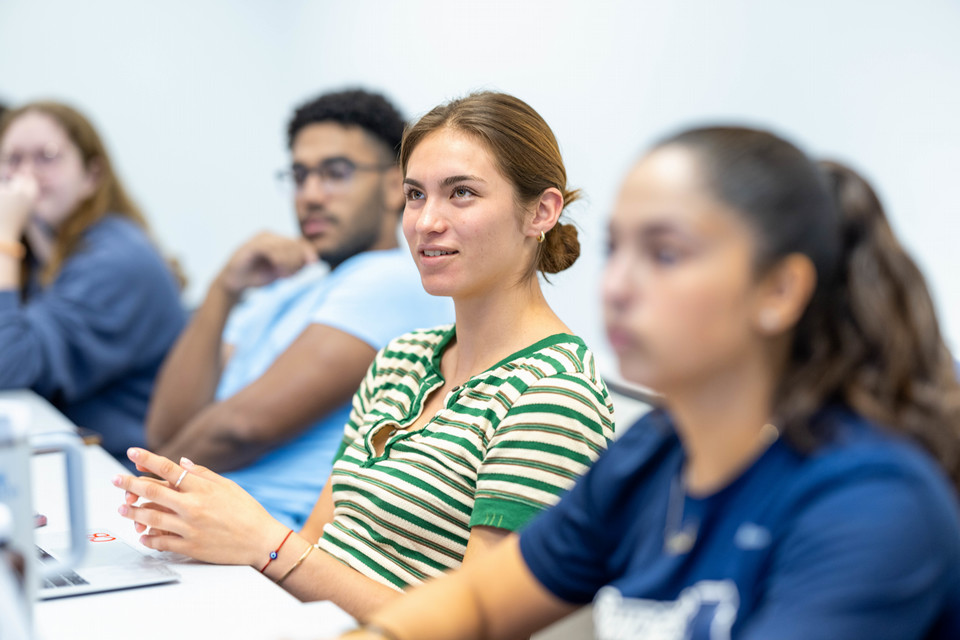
(374, 296)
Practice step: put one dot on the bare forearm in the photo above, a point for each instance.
(219, 437)
(320, 576)
(316, 375)
(189, 376)
(462, 604)
(444, 611)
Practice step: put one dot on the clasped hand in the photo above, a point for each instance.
(18, 196)
(206, 517)
(263, 259)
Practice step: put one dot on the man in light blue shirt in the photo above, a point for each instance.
(260, 389)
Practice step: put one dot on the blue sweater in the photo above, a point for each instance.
(92, 341)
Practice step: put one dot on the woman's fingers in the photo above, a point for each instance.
(190, 509)
(149, 489)
(157, 465)
(155, 518)
(199, 471)
(153, 531)
(165, 542)
(153, 505)
(131, 498)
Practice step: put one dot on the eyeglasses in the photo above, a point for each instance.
(41, 160)
(335, 173)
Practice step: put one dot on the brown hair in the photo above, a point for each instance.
(108, 197)
(870, 337)
(525, 151)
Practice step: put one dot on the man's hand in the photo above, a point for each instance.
(18, 196)
(263, 259)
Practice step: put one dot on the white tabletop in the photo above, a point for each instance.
(209, 601)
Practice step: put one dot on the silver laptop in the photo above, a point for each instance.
(109, 564)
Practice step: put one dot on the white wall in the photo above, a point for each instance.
(193, 97)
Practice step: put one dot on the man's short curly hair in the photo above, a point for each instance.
(353, 107)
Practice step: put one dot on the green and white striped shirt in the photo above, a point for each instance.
(505, 445)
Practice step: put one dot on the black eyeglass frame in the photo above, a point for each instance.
(298, 174)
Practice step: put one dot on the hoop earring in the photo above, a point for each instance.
(543, 236)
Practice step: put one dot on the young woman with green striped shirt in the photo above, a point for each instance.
(459, 434)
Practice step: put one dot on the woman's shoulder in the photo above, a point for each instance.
(555, 355)
(561, 359)
(864, 465)
(417, 344)
(115, 226)
(868, 505)
(858, 447)
(644, 446)
(115, 242)
(117, 252)
(638, 465)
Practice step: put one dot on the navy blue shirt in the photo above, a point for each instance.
(93, 340)
(860, 539)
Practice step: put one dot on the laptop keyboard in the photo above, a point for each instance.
(65, 578)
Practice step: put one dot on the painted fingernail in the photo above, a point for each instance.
(186, 463)
(123, 510)
(133, 453)
(117, 479)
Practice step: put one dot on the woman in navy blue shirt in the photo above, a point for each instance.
(800, 480)
(88, 307)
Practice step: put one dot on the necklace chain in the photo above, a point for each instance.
(679, 538)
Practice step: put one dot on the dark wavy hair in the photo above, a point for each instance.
(352, 107)
(869, 338)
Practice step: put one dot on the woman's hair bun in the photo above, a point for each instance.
(559, 250)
